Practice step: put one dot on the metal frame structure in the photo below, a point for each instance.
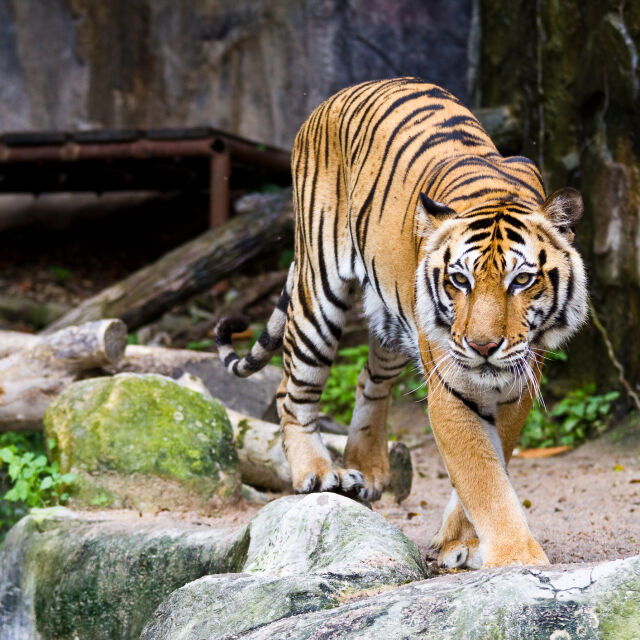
(40, 162)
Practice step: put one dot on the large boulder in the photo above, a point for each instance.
(69, 575)
(305, 553)
(144, 441)
(256, 69)
(520, 603)
(81, 575)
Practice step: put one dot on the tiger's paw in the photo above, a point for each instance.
(374, 484)
(458, 554)
(523, 552)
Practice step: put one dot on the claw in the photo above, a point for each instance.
(308, 485)
(352, 480)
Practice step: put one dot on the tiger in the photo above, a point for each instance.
(464, 266)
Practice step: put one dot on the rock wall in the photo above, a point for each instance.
(255, 68)
(572, 69)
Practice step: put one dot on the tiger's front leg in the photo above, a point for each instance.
(456, 541)
(309, 348)
(367, 448)
(477, 471)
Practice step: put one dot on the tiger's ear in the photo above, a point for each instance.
(432, 214)
(564, 209)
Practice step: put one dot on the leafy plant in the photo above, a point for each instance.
(61, 273)
(338, 397)
(27, 479)
(580, 415)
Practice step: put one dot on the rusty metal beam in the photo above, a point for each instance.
(241, 151)
(219, 187)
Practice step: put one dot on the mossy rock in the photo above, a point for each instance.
(143, 441)
(99, 576)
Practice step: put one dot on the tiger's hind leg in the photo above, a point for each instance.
(367, 448)
(310, 343)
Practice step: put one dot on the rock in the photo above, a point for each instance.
(256, 69)
(305, 553)
(316, 566)
(520, 603)
(101, 575)
(92, 576)
(143, 441)
(324, 533)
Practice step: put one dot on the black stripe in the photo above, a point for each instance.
(283, 302)
(326, 288)
(320, 357)
(470, 404)
(269, 342)
(232, 357)
(514, 236)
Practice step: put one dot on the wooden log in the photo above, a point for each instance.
(264, 225)
(264, 465)
(254, 396)
(42, 366)
(61, 210)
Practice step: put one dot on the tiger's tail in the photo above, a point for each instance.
(268, 343)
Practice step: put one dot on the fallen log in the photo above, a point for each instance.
(40, 367)
(264, 465)
(35, 368)
(254, 396)
(264, 224)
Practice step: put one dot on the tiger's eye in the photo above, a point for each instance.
(460, 279)
(523, 278)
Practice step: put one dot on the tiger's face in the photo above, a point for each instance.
(500, 285)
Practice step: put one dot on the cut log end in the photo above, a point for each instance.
(114, 338)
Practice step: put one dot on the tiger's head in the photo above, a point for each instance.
(500, 284)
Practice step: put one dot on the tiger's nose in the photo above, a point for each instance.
(485, 349)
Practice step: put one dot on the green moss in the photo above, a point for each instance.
(146, 425)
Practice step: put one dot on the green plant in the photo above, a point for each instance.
(200, 345)
(27, 479)
(580, 415)
(61, 273)
(339, 393)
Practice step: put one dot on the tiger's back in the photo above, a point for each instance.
(362, 159)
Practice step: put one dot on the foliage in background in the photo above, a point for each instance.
(580, 415)
(27, 479)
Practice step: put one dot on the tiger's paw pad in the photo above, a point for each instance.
(460, 555)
